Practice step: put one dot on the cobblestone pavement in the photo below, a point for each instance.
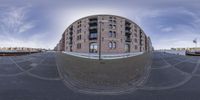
(37, 77)
(105, 76)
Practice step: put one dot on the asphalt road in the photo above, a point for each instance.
(35, 77)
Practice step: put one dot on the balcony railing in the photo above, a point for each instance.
(127, 28)
(93, 21)
(93, 36)
(128, 32)
(127, 25)
(70, 42)
(93, 24)
(93, 27)
(128, 39)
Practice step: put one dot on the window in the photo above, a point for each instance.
(79, 31)
(79, 46)
(110, 45)
(114, 21)
(114, 27)
(114, 34)
(136, 41)
(93, 35)
(110, 34)
(110, 25)
(79, 37)
(93, 47)
(114, 45)
(135, 34)
(136, 47)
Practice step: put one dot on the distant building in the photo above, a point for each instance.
(20, 49)
(118, 35)
(179, 49)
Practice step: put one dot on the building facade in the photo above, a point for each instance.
(113, 34)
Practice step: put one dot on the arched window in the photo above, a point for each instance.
(110, 34)
(114, 45)
(114, 34)
(93, 48)
(110, 45)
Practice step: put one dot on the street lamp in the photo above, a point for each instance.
(100, 22)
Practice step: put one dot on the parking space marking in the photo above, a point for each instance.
(33, 75)
(187, 77)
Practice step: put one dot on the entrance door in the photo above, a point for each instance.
(127, 48)
(93, 48)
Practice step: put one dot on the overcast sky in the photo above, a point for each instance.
(40, 23)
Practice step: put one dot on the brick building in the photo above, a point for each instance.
(114, 34)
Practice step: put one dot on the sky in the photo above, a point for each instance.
(41, 23)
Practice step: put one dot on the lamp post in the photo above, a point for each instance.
(100, 22)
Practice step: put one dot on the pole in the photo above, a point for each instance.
(100, 41)
(196, 45)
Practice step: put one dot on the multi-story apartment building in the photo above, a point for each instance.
(113, 34)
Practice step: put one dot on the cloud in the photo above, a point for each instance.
(172, 27)
(14, 25)
(34, 41)
(14, 21)
(26, 27)
(169, 23)
(167, 29)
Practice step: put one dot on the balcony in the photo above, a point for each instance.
(128, 39)
(127, 25)
(93, 24)
(127, 32)
(70, 37)
(93, 21)
(93, 30)
(70, 33)
(70, 42)
(71, 28)
(92, 27)
(127, 28)
(93, 36)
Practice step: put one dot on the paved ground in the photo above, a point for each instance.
(105, 76)
(35, 77)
